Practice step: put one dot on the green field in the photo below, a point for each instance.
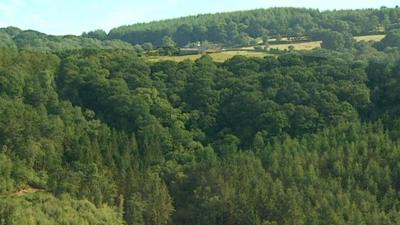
(249, 51)
(309, 45)
(298, 46)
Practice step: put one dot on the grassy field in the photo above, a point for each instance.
(247, 51)
(218, 57)
(378, 37)
(317, 44)
(299, 46)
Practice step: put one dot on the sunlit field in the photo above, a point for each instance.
(217, 57)
(249, 52)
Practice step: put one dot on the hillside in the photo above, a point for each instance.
(251, 51)
(13, 37)
(240, 28)
(101, 132)
(287, 139)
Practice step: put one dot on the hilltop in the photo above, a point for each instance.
(242, 27)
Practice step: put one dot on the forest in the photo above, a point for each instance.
(242, 27)
(93, 133)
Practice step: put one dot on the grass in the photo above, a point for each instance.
(299, 46)
(317, 44)
(218, 57)
(378, 37)
(173, 58)
(223, 56)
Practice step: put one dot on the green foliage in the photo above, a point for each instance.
(147, 46)
(6, 169)
(169, 47)
(15, 38)
(392, 39)
(6, 40)
(97, 34)
(44, 209)
(100, 136)
(239, 28)
(333, 40)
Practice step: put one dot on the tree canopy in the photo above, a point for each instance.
(238, 28)
(97, 135)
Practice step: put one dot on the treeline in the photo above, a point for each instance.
(108, 138)
(12, 37)
(243, 27)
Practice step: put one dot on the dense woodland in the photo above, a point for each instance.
(104, 137)
(12, 37)
(241, 28)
